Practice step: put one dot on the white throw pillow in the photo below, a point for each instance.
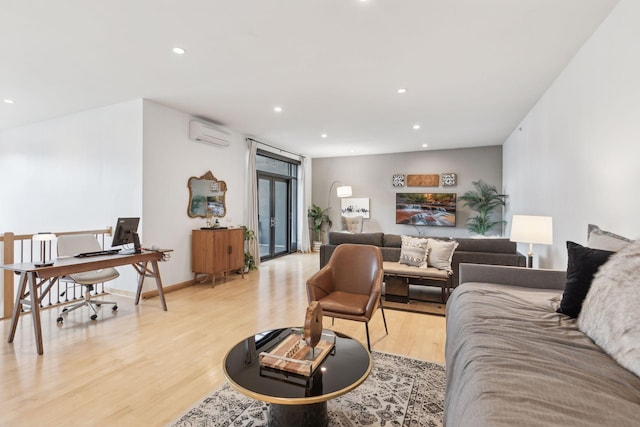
(605, 240)
(440, 253)
(413, 251)
(610, 315)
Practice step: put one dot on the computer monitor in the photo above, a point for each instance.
(126, 233)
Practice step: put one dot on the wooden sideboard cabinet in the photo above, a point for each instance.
(217, 251)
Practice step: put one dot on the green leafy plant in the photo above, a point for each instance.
(318, 217)
(484, 200)
(249, 261)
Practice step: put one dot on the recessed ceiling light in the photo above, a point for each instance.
(179, 51)
(402, 90)
(416, 126)
(8, 101)
(324, 135)
(277, 109)
(425, 145)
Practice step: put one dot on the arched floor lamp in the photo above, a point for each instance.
(342, 191)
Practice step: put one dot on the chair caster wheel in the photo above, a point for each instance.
(98, 305)
(114, 308)
(64, 310)
(59, 319)
(94, 317)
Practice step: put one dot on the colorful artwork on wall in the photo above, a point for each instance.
(434, 209)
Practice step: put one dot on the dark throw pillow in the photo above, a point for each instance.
(582, 264)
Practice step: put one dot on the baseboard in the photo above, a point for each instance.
(175, 287)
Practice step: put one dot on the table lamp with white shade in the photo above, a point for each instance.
(43, 238)
(532, 230)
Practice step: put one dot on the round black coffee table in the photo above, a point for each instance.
(296, 399)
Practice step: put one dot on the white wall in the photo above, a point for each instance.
(85, 170)
(76, 172)
(170, 159)
(576, 155)
(371, 177)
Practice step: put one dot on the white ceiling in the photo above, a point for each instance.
(472, 68)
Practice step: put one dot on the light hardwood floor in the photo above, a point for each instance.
(145, 367)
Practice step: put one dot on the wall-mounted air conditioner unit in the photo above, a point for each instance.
(208, 134)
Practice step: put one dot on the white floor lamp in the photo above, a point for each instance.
(532, 230)
(341, 191)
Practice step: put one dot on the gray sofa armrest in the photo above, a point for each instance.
(514, 276)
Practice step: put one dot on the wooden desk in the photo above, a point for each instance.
(32, 278)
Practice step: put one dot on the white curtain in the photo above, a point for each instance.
(304, 244)
(252, 203)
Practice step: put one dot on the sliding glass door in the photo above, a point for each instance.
(277, 197)
(273, 218)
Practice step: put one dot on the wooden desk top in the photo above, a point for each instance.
(70, 265)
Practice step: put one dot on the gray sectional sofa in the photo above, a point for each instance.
(469, 250)
(513, 360)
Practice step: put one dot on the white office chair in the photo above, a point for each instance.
(69, 245)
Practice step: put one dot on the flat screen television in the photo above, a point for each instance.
(434, 209)
(126, 233)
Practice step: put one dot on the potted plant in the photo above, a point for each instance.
(317, 218)
(249, 261)
(484, 200)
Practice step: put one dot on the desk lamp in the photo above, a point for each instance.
(531, 229)
(43, 238)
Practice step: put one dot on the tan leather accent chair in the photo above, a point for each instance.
(349, 286)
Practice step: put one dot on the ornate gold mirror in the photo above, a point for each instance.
(206, 196)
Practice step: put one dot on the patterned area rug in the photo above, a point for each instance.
(399, 392)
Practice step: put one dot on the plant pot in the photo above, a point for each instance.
(316, 246)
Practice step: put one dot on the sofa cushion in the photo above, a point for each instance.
(440, 253)
(337, 238)
(390, 254)
(392, 241)
(610, 315)
(486, 244)
(414, 251)
(582, 265)
(606, 240)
